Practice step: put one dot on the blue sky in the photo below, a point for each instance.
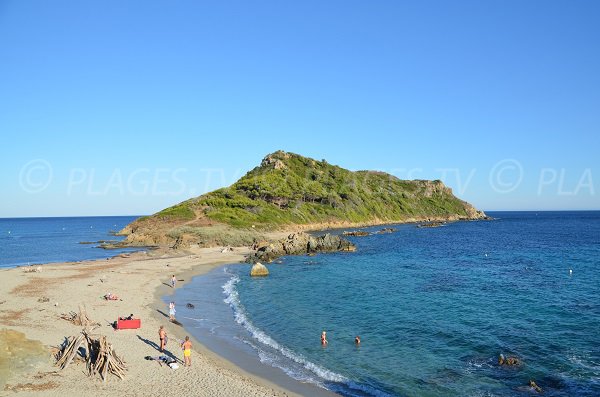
(128, 107)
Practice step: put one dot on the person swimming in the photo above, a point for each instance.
(534, 386)
(324, 338)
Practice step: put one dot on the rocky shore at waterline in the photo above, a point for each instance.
(298, 244)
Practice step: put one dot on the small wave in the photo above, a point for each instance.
(322, 374)
(585, 363)
(476, 364)
(195, 319)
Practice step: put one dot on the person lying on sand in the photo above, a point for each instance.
(162, 359)
(111, 297)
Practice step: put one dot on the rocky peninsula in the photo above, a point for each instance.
(288, 193)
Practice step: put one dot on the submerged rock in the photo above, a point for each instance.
(258, 270)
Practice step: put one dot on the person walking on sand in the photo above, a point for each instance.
(162, 335)
(187, 352)
(324, 338)
(173, 281)
(172, 311)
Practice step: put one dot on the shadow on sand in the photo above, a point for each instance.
(157, 348)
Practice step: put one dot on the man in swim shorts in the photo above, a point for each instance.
(187, 352)
(162, 335)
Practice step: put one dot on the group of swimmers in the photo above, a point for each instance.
(324, 339)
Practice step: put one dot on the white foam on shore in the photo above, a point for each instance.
(315, 374)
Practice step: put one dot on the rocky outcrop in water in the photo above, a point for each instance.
(431, 224)
(298, 244)
(355, 233)
(259, 270)
(386, 230)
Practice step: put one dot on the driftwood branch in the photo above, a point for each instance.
(80, 318)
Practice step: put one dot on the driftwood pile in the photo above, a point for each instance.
(98, 354)
(80, 318)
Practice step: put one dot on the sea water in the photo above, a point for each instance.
(26, 241)
(434, 308)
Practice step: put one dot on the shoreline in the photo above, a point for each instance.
(232, 358)
(141, 280)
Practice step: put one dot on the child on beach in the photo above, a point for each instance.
(173, 281)
(172, 311)
(187, 352)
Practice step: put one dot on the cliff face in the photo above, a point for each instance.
(288, 191)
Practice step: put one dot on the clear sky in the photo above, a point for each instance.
(126, 107)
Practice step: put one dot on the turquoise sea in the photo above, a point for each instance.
(434, 308)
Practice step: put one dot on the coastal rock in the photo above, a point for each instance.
(259, 270)
(386, 230)
(355, 233)
(431, 224)
(299, 244)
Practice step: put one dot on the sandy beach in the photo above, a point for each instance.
(31, 303)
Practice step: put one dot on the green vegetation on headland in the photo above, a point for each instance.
(288, 190)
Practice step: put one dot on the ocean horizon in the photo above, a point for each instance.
(38, 240)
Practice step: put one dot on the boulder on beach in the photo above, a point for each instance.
(258, 269)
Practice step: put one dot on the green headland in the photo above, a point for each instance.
(289, 192)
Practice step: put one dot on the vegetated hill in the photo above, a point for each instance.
(290, 191)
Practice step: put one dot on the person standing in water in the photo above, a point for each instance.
(172, 311)
(357, 340)
(187, 352)
(324, 338)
